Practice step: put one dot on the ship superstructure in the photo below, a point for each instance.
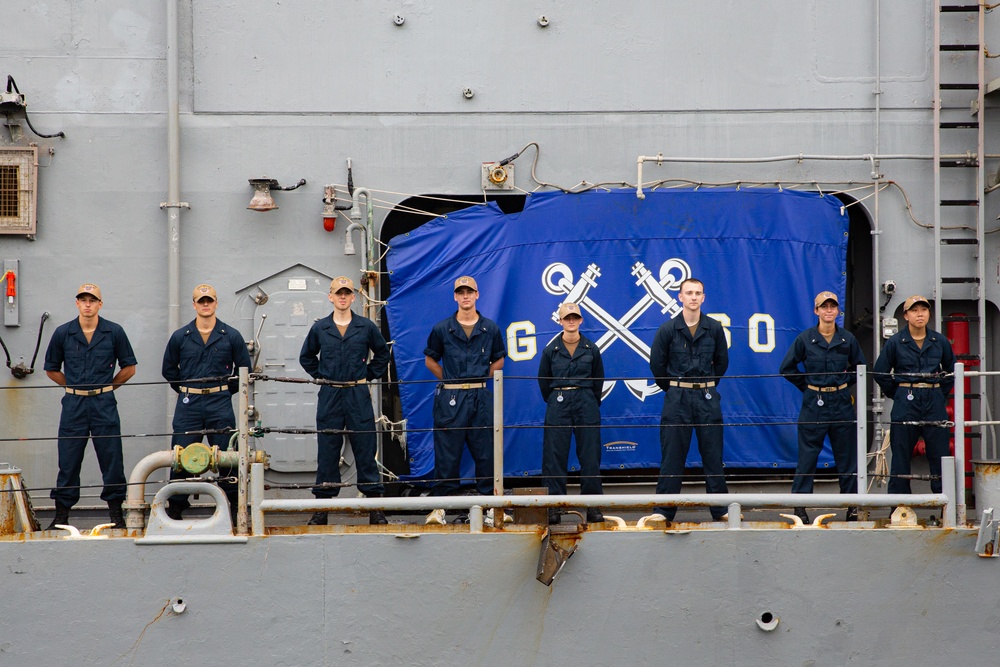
(265, 148)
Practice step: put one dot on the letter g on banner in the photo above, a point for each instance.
(521, 347)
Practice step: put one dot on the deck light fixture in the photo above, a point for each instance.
(262, 200)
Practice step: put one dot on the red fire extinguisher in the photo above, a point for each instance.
(11, 286)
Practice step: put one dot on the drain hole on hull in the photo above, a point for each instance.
(767, 621)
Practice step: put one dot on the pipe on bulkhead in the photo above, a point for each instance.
(349, 244)
(141, 472)
(368, 270)
(367, 260)
(135, 497)
(173, 203)
(878, 401)
(135, 501)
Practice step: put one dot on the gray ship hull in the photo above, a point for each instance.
(884, 597)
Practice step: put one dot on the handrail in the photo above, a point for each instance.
(951, 500)
(617, 501)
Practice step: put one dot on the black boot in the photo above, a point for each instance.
(234, 507)
(595, 515)
(175, 511)
(61, 517)
(376, 517)
(555, 516)
(115, 513)
(801, 513)
(852, 514)
(318, 519)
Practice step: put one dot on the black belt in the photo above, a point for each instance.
(565, 388)
(826, 390)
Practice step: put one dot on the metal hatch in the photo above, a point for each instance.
(282, 307)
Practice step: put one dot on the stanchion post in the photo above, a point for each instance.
(498, 433)
(862, 407)
(257, 495)
(952, 488)
(243, 445)
(960, 442)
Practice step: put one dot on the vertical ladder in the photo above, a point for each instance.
(960, 176)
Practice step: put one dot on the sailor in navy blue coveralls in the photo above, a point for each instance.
(571, 379)
(463, 351)
(688, 365)
(204, 348)
(336, 349)
(829, 356)
(81, 357)
(914, 369)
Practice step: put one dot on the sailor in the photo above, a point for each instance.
(200, 362)
(337, 350)
(571, 378)
(81, 357)
(688, 358)
(463, 351)
(915, 369)
(821, 362)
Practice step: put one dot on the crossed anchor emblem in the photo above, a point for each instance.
(558, 280)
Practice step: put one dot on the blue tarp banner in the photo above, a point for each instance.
(762, 254)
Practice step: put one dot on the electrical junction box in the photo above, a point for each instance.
(890, 326)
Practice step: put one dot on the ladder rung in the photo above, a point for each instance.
(969, 162)
(959, 8)
(959, 241)
(971, 435)
(959, 280)
(959, 202)
(959, 125)
(959, 86)
(960, 318)
(959, 47)
(968, 357)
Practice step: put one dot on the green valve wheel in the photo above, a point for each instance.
(196, 458)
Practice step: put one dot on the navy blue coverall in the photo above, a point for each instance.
(676, 359)
(89, 366)
(186, 358)
(463, 416)
(897, 366)
(328, 355)
(571, 388)
(827, 408)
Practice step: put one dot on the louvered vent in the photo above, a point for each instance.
(18, 182)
